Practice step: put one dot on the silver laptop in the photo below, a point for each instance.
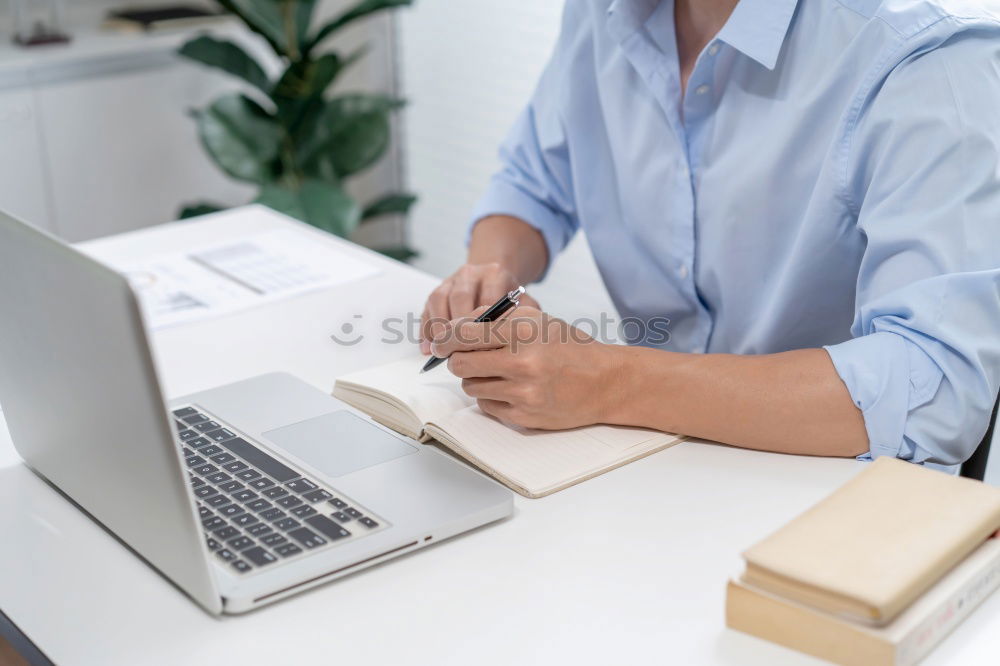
(240, 495)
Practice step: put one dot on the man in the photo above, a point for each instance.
(809, 191)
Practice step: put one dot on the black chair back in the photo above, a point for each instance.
(975, 467)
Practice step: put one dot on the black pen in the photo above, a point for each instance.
(496, 310)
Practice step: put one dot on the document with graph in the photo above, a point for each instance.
(223, 278)
(531, 462)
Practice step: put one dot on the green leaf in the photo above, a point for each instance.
(261, 16)
(354, 134)
(241, 137)
(388, 204)
(308, 78)
(323, 205)
(228, 57)
(200, 208)
(303, 17)
(401, 253)
(360, 10)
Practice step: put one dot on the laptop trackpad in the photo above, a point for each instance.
(339, 443)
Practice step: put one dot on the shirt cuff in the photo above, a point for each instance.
(505, 198)
(888, 377)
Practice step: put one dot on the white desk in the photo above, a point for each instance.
(629, 567)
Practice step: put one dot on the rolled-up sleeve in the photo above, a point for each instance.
(924, 181)
(535, 182)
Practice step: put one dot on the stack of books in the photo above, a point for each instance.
(878, 572)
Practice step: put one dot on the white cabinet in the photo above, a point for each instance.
(122, 151)
(22, 174)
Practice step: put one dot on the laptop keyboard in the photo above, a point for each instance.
(255, 509)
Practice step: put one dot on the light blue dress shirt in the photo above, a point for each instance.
(829, 179)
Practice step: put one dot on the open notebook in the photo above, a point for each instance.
(533, 463)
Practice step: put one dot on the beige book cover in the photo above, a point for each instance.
(903, 642)
(531, 462)
(877, 543)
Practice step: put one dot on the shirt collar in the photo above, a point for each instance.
(757, 28)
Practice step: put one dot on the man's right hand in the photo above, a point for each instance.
(470, 287)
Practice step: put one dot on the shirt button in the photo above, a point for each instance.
(701, 90)
(713, 49)
(683, 272)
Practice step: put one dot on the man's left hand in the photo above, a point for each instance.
(531, 369)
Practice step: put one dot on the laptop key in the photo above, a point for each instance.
(227, 532)
(368, 522)
(203, 512)
(342, 517)
(245, 495)
(232, 486)
(236, 466)
(195, 461)
(275, 493)
(287, 549)
(187, 452)
(259, 505)
(272, 514)
(302, 485)
(259, 556)
(249, 474)
(191, 419)
(240, 543)
(257, 529)
(245, 519)
(262, 483)
(181, 412)
(353, 513)
(308, 538)
(226, 554)
(213, 523)
(220, 435)
(210, 450)
(197, 442)
(186, 434)
(317, 496)
(216, 500)
(303, 511)
(206, 469)
(327, 527)
(339, 503)
(197, 481)
(286, 524)
(260, 460)
(219, 477)
(223, 458)
(206, 425)
(289, 502)
(241, 566)
(231, 510)
(272, 539)
(205, 491)
(213, 544)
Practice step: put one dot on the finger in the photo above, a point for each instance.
(491, 388)
(497, 408)
(467, 335)
(489, 363)
(425, 333)
(436, 311)
(462, 299)
(529, 302)
(493, 289)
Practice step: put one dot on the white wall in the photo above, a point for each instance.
(468, 68)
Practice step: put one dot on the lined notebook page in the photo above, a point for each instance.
(431, 395)
(541, 461)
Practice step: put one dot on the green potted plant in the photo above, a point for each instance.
(289, 135)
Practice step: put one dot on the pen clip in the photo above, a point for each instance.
(515, 295)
